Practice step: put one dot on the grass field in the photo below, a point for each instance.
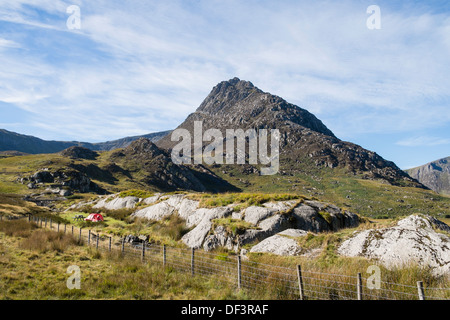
(34, 264)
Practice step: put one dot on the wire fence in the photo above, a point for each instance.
(284, 282)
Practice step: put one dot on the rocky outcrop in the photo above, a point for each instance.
(114, 202)
(286, 218)
(166, 206)
(317, 216)
(220, 238)
(156, 167)
(203, 220)
(255, 214)
(281, 245)
(79, 153)
(66, 180)
(266, 220)
(415, 239)
(310, 216)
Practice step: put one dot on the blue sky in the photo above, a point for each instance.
(137, 67)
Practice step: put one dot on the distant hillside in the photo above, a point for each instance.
(11, 141)
(435, 175)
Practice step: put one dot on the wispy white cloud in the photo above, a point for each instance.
(137, 67)
(424, 141)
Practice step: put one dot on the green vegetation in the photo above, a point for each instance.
(108, 276)
(242, 199)
(369, 198)
(136, 193)
(233, 226)
(103, 276)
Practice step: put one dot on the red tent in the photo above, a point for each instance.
(94, 217)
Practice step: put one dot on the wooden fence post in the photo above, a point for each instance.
(359, 287)
(300, 282)
(96, 245)
(193, 261)
(45, 222)
(143, 252)
(50, 223)
(72, 230)
(164, 255)
(80, 234)
(239, 272)
(420, 290)
(58, 227)
(110, 239)
(89, 236)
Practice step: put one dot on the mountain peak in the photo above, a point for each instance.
(236, 83)
(239, 103)
(226, 93)
(143, 146)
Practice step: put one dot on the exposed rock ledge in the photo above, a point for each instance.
(281, 245)
(414, 239)
(266, 220)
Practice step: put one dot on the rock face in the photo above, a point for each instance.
(196, 236)
(414, 239)
(435, 175)
(310, 216)
(166, 207)
(279, 245)
(267, 220)
(238, 104)
(115, 203)
(68, 179)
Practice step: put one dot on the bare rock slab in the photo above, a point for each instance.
(413, 240)
(279, 245)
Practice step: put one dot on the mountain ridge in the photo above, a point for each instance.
(435, 175)
(12, 141)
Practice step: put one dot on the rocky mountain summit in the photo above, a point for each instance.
(238, 104)
(435, 175)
